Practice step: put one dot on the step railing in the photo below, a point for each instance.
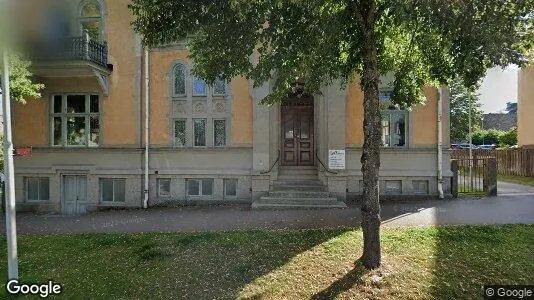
(272, 166)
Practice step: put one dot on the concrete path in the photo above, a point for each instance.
(515, 205)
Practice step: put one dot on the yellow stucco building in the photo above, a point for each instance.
(206, 144)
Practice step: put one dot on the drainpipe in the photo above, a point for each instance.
(147, 119)
(440, 142)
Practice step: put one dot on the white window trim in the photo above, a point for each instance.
(113, 190)
(26, 189)
(388, 114)
(63, 115)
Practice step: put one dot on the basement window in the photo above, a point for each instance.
(37, 188)
(199, 187)
(112, 189)
(230, 188)
(164, 187)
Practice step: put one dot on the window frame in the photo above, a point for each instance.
(192, 106)
(225, 181)
(388, 113)
(101, 184)
(200, 182)
(158, 186)
(193, 140)
(81, 19)
(63, 115)
(38, 180)
(194, 79)
(185, 74)
(219, 95)
(215, 133)
(174, 138)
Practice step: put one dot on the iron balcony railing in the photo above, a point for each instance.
(73, 48)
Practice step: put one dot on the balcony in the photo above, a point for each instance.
(72, 57)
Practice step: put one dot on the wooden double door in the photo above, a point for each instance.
(297, 136)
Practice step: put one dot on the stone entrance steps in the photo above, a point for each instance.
(297, 190)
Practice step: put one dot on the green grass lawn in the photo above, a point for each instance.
(516, 179)
(418, 263)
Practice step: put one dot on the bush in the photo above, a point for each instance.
(487, 137)
(508, 138)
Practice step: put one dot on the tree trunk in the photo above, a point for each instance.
(372, 138)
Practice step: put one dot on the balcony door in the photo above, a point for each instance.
(297, 135)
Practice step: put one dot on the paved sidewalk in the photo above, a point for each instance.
(510, 207)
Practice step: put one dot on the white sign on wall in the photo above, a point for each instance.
(336, 159)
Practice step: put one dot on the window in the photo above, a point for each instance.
(112, 190)
(90, 20)
(199, 132)
(199, 87)
(75, 120)
(393, 187)
(164, 187)
(394, 128)
(230, 188)
(200, 113)
(180, 139)
(219, 135)
(37, 188)
(219, 88)
(179, 80)
(199, 187)
(420, 186)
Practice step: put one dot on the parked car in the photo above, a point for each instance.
(467, 146)
(487, 147)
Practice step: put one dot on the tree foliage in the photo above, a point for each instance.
(459, 106)
(22, 85)
(318, 41)
(500, 138)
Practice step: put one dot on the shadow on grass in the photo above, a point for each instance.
(343, 284)
(163, 265)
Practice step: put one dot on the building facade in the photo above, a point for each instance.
(207, 144)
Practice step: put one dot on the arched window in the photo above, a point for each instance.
(90, 19)
(178, 75)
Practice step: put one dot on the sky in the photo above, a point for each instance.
(498, 87)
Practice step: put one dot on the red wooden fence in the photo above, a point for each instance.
(519, 162)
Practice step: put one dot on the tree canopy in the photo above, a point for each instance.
(22, 86)
(317, 40)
